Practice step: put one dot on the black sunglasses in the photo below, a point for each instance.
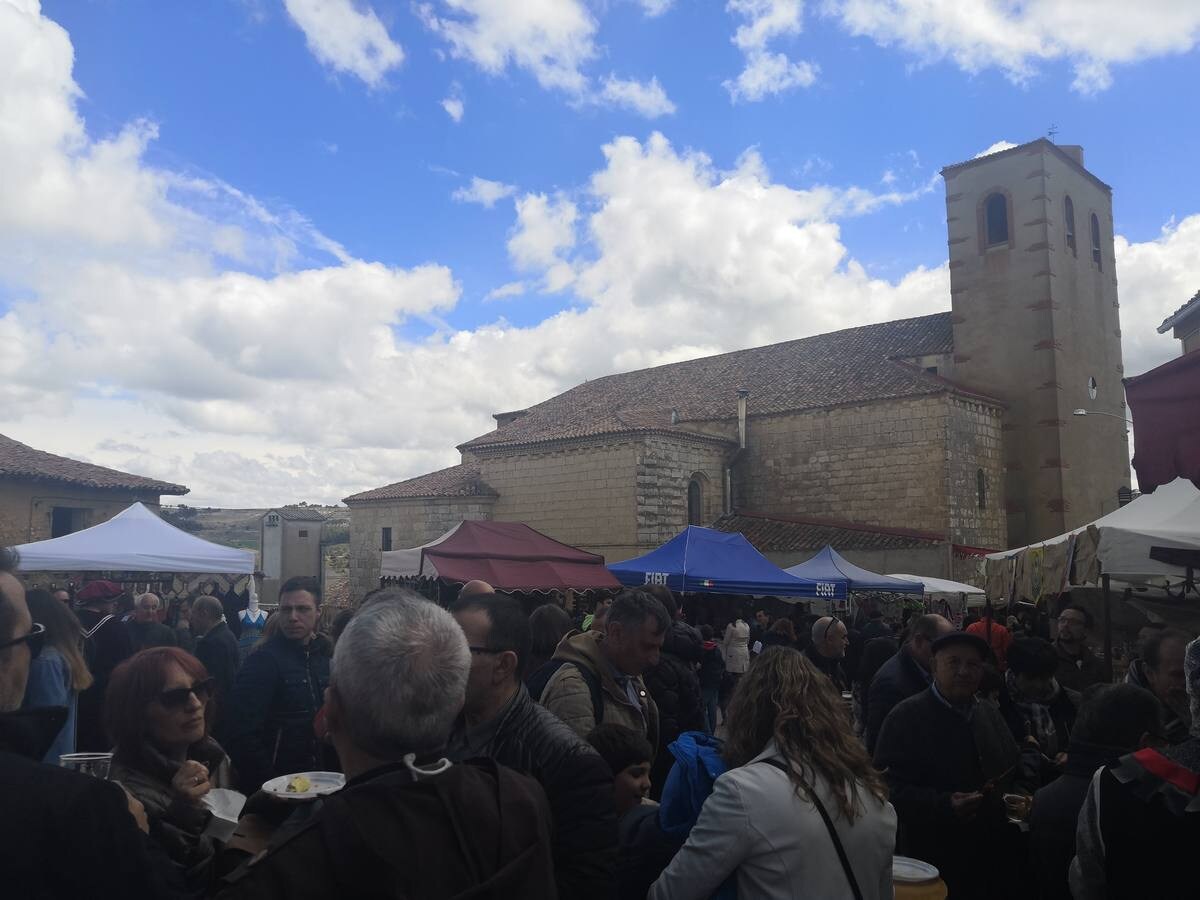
(833, 620)
(35, 639)
(177, 698)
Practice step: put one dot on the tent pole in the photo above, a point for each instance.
(1108, 637)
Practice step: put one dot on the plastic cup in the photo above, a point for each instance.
(95, 764)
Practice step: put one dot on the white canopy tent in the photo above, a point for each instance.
(135, 540)
(406, 563)
(944, 587)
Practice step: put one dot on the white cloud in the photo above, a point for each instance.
(654, 8)
(1017, 37)
(551, 39)
(511, 289)
(347, 38)
(484, 192)
(645, 98)
(454, 108)
(545, 229)
(997, 147)
(767, 73)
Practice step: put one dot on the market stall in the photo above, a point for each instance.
(829, 566)
(700, 560)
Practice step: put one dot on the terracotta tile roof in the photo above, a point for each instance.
(1187, 309)
(301, 514)
(780, 534)
(21, 461)
(456, 481)
(851, 366)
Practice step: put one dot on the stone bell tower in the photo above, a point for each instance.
(1036, 325)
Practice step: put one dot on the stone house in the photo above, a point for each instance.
(954, 428)
(47, 496)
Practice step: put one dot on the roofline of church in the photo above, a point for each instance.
(601, 437)
(955, 168)
(932, 537)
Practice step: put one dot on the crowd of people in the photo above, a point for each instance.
(492, 752)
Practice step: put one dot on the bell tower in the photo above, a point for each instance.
(1037, 326)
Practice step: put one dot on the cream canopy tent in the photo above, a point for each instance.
(135, 540)
(943, 587)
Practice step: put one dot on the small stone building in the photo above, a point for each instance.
(955, 427)
(47, 496)
(289, 546)
(1184, 324)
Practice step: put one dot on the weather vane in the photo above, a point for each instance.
(1053, 132)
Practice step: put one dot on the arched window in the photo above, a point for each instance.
(981, 488)
(695, 502)
(1069, 215)
(1096, 241)
(995, 212)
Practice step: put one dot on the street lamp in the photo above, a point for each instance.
(1096, 412)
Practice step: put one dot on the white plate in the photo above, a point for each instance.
(906, 870)
(322, 783)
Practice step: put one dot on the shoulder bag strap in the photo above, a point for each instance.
(88, 633)
(837, 841)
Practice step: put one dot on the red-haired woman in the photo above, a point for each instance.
(157, 712)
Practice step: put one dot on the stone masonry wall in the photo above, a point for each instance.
(26, 507)
(878, 464)
(974, 444)
(665, 467)
(413, 522)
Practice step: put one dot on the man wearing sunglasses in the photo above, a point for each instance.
(830, 638)
(48, 809)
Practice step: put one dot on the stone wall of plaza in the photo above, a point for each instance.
(412, 521)
(891, 463)
(26, 507)
(666, 466)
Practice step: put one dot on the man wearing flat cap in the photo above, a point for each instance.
(948, 758)
(107, 643)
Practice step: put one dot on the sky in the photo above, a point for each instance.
(285, 250)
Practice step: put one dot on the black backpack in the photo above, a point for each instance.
(536, 684)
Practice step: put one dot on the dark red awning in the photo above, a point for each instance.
(1165, 405)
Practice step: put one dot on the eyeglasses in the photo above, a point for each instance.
(35, 639)
(177, 698)
(833, 620)
(485, 650)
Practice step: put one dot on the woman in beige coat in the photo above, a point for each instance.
(737, 647)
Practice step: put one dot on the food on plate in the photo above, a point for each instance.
(299, 784)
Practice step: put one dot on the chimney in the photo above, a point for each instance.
(743, 395)
(1074, 151)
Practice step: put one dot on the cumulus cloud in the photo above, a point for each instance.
(646, 98)
(454, 108)
(347, 38)
(511, 289)
(997, 147)
(1017, 37)
(654, 8)
(484, 192)
(766, 73)
(545, 229)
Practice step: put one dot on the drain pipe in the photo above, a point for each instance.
(743, 396)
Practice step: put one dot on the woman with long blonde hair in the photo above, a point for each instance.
(60, 671)
(801, 812)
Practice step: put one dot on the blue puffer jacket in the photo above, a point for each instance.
(269, 728)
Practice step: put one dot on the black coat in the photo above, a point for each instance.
(276, 695)
(533, 741)
(144, 635)
(645, 850)
(218, 650)
(65, 834)
(1055, 815)
(108, 647)
(832, 668)
(476, 830)
(675, 687)
(898, 679)
(712, 667)
(928, 751)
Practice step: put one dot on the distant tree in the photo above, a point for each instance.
(183, 516)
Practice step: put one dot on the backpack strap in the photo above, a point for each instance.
(837, 841)
(538, 681)
(89, 632)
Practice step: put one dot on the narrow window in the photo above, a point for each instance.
(1069, 215)
(385, 539)
(695, 503)
(303, 533)
(981, 488)
(1096, 241)
(996, 215)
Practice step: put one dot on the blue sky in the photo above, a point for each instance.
(237, 260)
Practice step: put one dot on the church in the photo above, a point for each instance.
(913, 445)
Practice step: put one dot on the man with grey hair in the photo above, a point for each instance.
(408, 823)
(830, 638)
(598, 674)
(144, 628)
(217, 648)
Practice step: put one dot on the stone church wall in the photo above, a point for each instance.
(974, 445)
(413, 522)
(665, 467)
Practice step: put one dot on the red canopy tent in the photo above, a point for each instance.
(509, 556)
(1165, 405)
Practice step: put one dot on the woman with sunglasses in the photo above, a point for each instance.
(59, 672)
(158, 713)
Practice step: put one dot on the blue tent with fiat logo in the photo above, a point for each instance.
(700, 560)
(830, 566)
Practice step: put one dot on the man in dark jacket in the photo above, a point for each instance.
(675, 687)
(408, 824)
(63, 833)
(1039, 712)
(1160, 671)
(904, 675)
(1078, 666)
(1113, 720)
(107, 644)
(144, 628)
(947, 757)
(217, 648)
(501, 722)
(278, 691)
(830, 641)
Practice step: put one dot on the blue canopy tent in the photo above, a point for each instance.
(700, 560)
(830, 566)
